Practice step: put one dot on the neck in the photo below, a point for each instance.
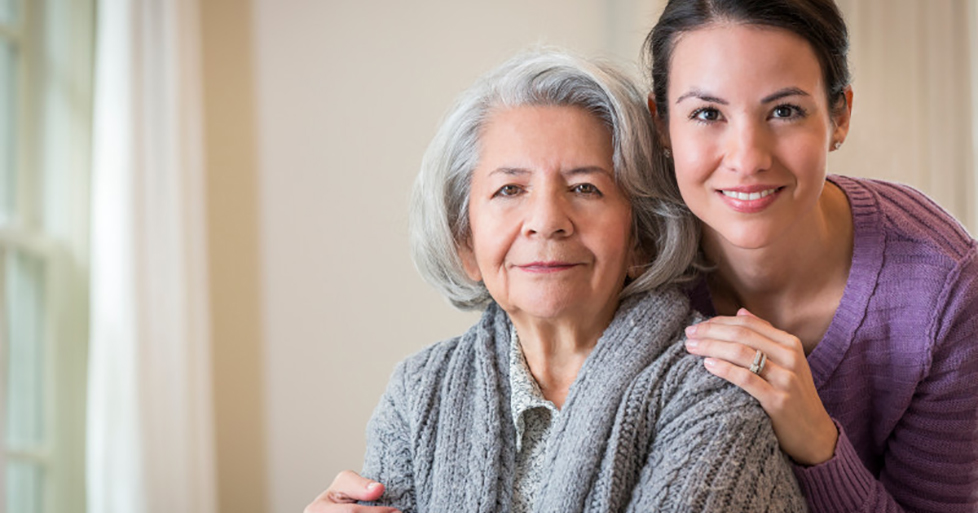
(555, 349)
(795, 283)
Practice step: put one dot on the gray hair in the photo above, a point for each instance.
(665, 231)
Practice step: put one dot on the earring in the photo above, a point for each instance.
(668, 153)
(836, 145)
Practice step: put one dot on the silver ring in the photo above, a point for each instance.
(759, 360)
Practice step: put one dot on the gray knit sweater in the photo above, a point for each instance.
(644, 427)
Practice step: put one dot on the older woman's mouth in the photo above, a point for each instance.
(547, 267)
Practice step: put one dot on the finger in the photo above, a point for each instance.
(748, 320)
(744, 328)
(734, 352)
(745, 312)
(743, 356)
(351, 487)
(326, 507)
(704, 338)
(752, 383)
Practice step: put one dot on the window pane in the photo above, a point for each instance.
(24, 487)
(8, 116)
(25, 393)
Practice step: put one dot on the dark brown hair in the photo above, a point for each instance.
(817, 21)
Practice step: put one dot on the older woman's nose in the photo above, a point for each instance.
(747, 149)
(548, 216)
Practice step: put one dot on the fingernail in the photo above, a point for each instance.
(690, 330)
(691, 343)
(743, 311)
(710, 363)
(373, 486)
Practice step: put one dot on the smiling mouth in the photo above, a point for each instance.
(750, 196)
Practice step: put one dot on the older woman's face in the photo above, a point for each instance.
(550, 230)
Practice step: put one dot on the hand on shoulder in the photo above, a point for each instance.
(770, 365)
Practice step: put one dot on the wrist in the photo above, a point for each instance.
(823, 447)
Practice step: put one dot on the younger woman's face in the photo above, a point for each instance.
(750, 128)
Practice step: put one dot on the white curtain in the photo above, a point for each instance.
(149, 432)
(914, 117)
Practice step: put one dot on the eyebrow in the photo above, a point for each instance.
(518, 171)
(787, 91)
(783, 93)
(696, 93)
(510, 171)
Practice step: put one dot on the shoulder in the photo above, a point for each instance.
(712, 439)
(912, 223)
(919, 263)
(688, 392)
(424, 369)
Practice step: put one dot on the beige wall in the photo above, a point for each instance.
(234, 258)
(317, 115)
(912, 114)
(348, 95)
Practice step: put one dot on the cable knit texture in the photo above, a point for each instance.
(898, 367)
(644, 427)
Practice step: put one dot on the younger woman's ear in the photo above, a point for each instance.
(661, 127)
(841, 114)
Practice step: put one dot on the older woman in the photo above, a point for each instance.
(537, 202)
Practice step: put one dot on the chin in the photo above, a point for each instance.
(551, 305)
(544, 309)
(747, 238)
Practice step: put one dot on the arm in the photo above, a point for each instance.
(931, 459)
(936, 438)
(714, 450)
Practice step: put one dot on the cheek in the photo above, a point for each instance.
(691, 175)
(470, 264)
(616, 236)
(806, 158)
(694, 156)
(493, 233)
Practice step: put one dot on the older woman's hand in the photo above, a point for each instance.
(342, 496)
(784, 386)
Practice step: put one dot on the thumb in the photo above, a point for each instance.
(352, 486)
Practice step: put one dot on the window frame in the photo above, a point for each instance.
(52, 133)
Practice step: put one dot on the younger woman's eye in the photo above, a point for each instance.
(586, 188)
(705, 115)
(787, 111)
(508, 190)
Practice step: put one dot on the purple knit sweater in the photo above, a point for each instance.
(898, 367)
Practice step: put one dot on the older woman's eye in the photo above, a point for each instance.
(586, 188)
(508, 190)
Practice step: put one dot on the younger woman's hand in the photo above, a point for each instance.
(784, 386)
(342, 496)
